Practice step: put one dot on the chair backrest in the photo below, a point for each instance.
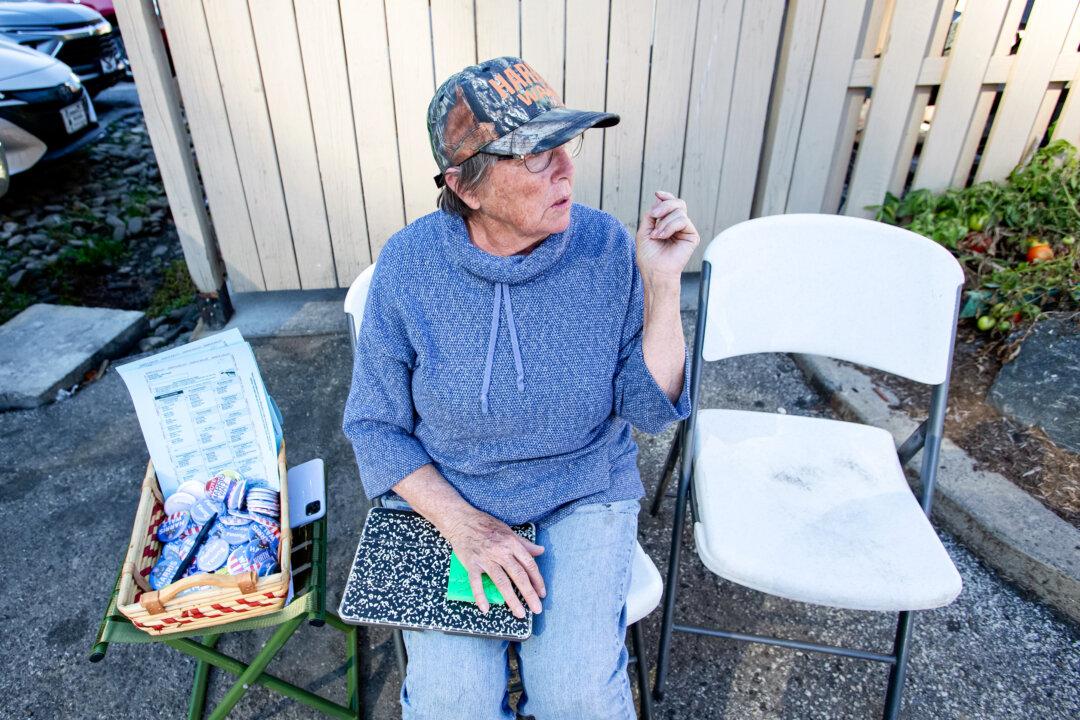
(847, 288)
(355, 300)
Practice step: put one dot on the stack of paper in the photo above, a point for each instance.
(203, 408)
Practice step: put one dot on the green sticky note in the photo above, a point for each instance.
(458, 587)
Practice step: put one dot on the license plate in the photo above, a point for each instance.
(74, 117)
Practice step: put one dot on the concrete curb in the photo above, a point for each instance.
(1007, 528)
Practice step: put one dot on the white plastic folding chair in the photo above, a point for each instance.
(646, 585)
(810, 509)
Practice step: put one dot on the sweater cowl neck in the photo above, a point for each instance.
(512, 269)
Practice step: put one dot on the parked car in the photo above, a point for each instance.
(45, 112)
(76, 35)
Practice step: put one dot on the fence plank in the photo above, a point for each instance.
(891, 105)
(586, 59)
(1047, 26)
(249, 120)
(498, 29)
(409, 34)
(790, 86)
(922, 99)
(542, 38)
(759, 38)
(323, 51)
(980, 26)
(453, 29)
(712, 77)
(826, 108)
(204, 107)
(627, 94)
(286, 90)
(1068, 123)
(669, 91)
(170, 140)
(371, 91)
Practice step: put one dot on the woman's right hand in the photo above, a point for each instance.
(485, 544)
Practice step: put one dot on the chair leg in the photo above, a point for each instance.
(895, 692)
(669, 471)
(255, 668)
(671, 587)
(202, 676)
(637, 643)
(399, 652)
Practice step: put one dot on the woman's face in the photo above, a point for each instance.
(533, 205)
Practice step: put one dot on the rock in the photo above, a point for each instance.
(113, 221)
(76, 243)
(1042, 385)
(178, 314)
(15, 241)
(10, 227)
(151, 343)
(52, 221)
(38, 239)
(78, 231)
(16, 278)
(54, 208)
(50, 259)
(137, 169)
(154, 322)
(160, 250)
(134, 225)
(119, 233)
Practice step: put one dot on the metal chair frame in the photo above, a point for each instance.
(927, 437)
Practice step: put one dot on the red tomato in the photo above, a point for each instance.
(1039, 252)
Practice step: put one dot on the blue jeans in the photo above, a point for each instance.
(574, 665)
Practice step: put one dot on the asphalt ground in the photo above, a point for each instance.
(69, 479)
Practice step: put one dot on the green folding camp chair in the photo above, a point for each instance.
(308, 603)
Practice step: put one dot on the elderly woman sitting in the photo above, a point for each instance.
(508, 343)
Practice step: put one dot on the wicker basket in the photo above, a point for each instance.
(233, 597)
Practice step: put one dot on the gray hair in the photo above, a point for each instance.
(471, 174)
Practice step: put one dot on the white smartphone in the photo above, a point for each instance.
(307, 493)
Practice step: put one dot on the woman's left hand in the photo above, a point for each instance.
(666, 239)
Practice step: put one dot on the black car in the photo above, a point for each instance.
(75, 35)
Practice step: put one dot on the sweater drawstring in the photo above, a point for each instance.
(502, 292)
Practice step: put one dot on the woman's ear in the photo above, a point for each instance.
(452, 177)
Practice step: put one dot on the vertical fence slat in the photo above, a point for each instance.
(825, 112)
(204, 107)
(627, 90)
(790, 86)
(974, 133)
(409, 34)
(759, 39)
(894, 87)
(980, 25)
(586, 62)
(1047, 26)
(922, 100)
(1042, 119)
(668, 94)
(542, 37)
(286, 92)
(249, 121)
(1068, 123)
(363, 26)
(710, 104)
(453, 29)
(498, 30)
(319, 28)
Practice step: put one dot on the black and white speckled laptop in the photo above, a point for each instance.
(399, 577)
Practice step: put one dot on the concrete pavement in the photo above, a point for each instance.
(69, 476)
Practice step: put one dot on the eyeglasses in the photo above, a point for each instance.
(539, 162)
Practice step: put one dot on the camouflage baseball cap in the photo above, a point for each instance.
(501, 106)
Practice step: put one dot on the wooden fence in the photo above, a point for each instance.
(308, 116)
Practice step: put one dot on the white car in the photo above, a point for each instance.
(44, 110)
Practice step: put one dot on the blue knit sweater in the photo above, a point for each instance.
(518, 377)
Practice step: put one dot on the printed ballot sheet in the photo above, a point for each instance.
(203, 408)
